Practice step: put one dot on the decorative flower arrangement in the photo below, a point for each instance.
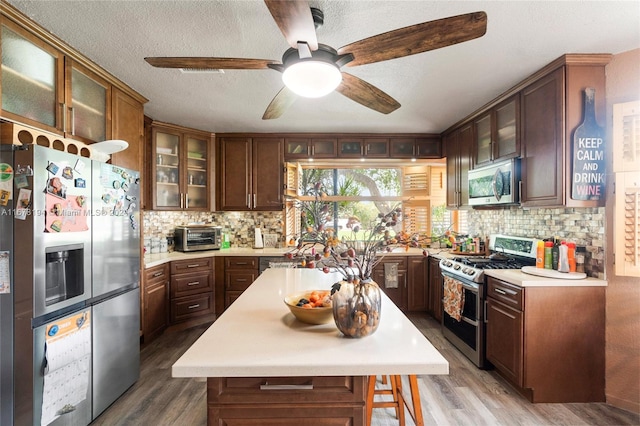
(356, 300)
(319, 245)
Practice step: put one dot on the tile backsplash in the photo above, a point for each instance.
(238, 225)
(584, 226)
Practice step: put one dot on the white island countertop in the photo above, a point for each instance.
(257, 336)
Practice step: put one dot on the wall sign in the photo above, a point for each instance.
(588, 174)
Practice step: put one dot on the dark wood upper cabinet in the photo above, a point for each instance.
(415, 147)
(457, 146)
(552, 108)
(497, 133)
(181, 168)
(302, 148)
(251, 173)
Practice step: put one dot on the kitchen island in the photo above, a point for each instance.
(265, 367)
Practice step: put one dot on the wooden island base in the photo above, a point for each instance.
(281, 401)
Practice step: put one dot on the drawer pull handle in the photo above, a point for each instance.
(269, 387)
(157, 274)
(241, 263)
(194, 306)
(193, 283)
(500, 291)
(241, 279)
(195, 265)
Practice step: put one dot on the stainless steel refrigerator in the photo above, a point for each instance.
(69, 285)
(115, 282)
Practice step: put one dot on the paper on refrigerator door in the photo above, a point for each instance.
(67, 365)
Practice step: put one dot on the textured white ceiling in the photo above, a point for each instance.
(435, 88)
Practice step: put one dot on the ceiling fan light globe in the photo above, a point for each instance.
(312, 79)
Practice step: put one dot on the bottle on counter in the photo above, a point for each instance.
(548, 246)
(580, 257)
(555, 253)
(571, 256)
(540, 254)
(563, 257)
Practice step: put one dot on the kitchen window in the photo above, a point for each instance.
(359, 194)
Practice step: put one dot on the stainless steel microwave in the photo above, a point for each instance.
(495, 184)
(197, 237)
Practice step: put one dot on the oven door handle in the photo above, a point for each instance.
(470, 321)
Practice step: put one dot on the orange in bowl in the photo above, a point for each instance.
(317, 311)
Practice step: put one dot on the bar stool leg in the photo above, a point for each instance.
(396, 382)
(371, 389)
(416, 413)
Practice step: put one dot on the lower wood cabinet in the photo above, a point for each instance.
(192, 289)
(417, 288)
(394, 287)
(291, 401)
(435, 285)
(155, 302)
(239, 273)
(548, 341)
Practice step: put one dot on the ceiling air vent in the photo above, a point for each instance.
(201, 71)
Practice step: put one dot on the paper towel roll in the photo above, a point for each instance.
(258, 239)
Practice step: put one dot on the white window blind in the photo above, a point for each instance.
(626, 165)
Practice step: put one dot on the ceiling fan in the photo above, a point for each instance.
(312, 69)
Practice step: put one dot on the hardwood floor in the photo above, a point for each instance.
(467, 396)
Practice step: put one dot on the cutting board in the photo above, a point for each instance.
(550, 273)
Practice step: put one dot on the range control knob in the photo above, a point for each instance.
(457, 267)
(469, 271)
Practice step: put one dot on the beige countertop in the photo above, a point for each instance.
(152, 260)
(258, 336)
(519, 278)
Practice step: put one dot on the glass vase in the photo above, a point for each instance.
(356, 308)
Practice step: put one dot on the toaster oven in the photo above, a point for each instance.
(197, 237)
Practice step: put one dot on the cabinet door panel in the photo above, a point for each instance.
(32, 79)
(268, 174)
(350, 147)
(397, 294)
(166, 169)
(89, 101)
(324, 147)
(542, 108)
(127, 123)
(504, 339)
(429, 147)
(483, 142)
(507, 138)
(417, 288)
(197, 172)
(235, 165)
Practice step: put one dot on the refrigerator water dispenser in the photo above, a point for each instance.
(64, 273)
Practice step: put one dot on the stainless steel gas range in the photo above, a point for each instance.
(463, 319)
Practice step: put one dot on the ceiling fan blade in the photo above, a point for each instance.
(280, 103)
(366, 94)
(210, 63)
(417, 38)
(295, 21)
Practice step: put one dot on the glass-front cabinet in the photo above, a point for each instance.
(197, 173)
(181, 170)
(496, 134)
(298, 148)
(44, 88)
(32, 76)
(87, 100)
